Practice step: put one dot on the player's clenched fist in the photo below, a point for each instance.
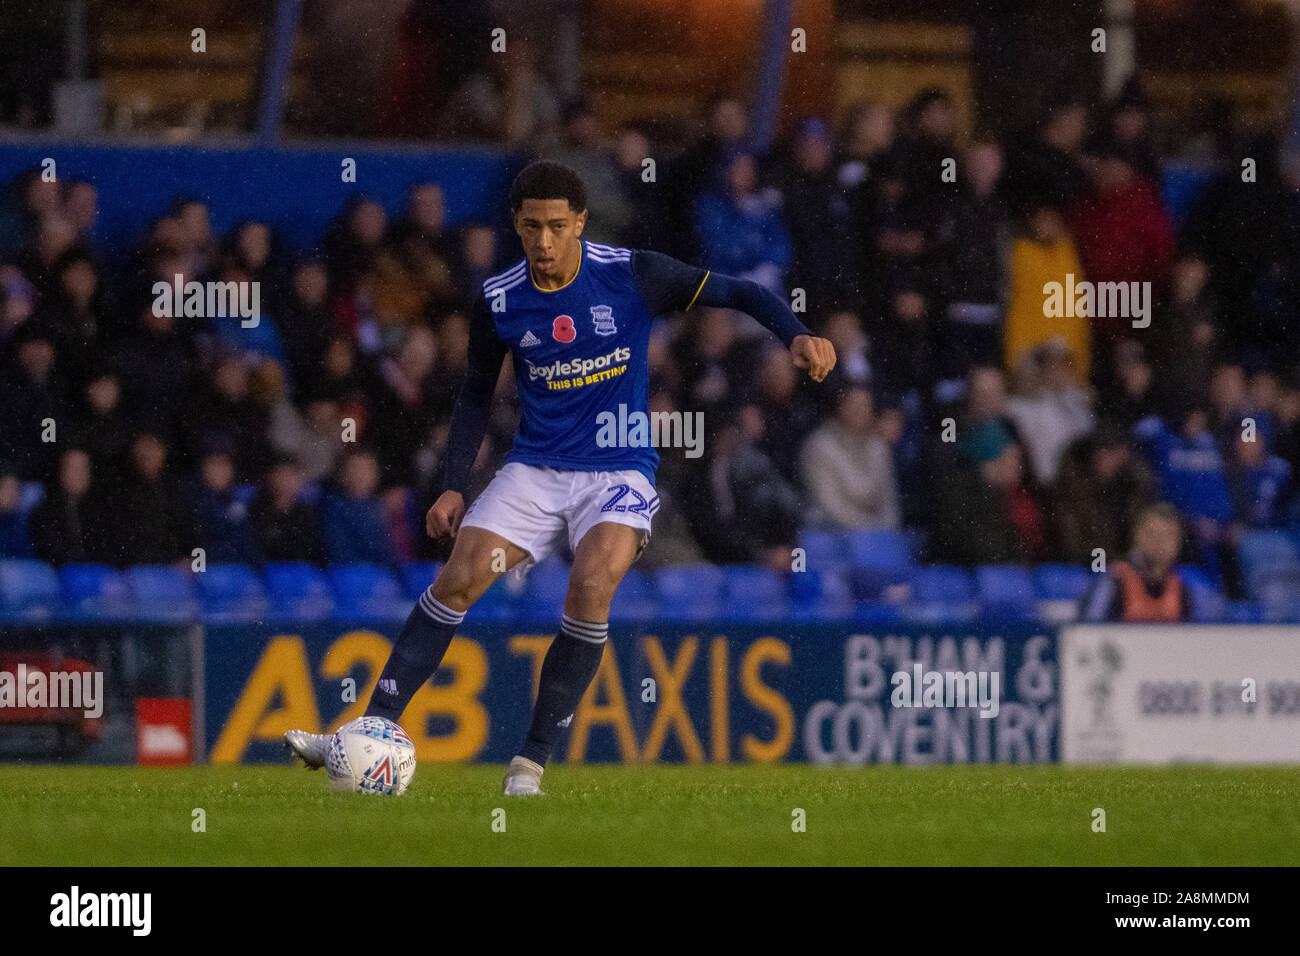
(814, 354)
(444, 517)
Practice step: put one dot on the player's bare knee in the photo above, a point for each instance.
(592, 590)
(458, 587)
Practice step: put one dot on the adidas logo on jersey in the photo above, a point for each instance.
(529, 339)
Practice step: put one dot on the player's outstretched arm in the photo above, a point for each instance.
(810, 352)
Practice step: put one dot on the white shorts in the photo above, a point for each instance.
(535, 508)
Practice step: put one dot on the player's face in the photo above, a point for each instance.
(549, 230)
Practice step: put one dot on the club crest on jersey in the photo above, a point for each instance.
(562, 329)
(603, 317)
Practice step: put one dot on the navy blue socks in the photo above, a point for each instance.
(570, 664)
(420, 646)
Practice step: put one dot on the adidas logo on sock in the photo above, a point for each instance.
(389, 686)
(529, 339)
(565, 722)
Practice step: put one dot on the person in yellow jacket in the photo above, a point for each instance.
(1044, 254)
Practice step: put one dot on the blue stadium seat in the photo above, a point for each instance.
(1062, 582)
(1278, 595)
(636, 598)
(298, 591)
(823, 548)
(1262, 551)
(1060, 588)
(879, 560)
(941, 593)
(1245, 612)
(417, 577)
(1208, 604)
(95, 591)
(29, 590)
(752, 594)
(367, 591)
(232, 593)
(821, 595)
(689, 592)
(163, 593)
(1006, 591)
(875, 613)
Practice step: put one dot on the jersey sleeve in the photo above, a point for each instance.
(666, 284)
(469, 417)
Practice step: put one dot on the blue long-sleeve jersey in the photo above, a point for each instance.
(582, 350)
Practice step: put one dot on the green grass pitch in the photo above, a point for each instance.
(657, 815)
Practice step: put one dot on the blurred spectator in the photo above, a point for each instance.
(973, 236)
(820, 220)
(1051, 408)
(74, 313)
(1043, 253)
(306, 324)
(15, 538)
(155, 366)
(716, 365)
(849, 471)
(1046, 166)
(984, 513)
(103, 429)
(1188, 335)
(696, 170)
(1192, 478)
(1258, 481)
(351, 514)
(1147, 587)
(508, 102)
(149, 521)
(1125, 129)
(284, 527)
(1134, 396)
(739, 506)
(1099, 489)
(34, 407)
(788, 412)
(740, 230)
(926, 140)
(68, 525)
(1122, 234)
(405, 408)
(223, 410)
(220, 514)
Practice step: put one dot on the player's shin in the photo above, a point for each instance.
(420, 646)
(568, 669)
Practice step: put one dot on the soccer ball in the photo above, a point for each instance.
(371, 755)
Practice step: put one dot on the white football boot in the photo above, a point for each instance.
(311, 749)
(523, 778)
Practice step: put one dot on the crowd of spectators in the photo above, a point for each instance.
(961, 410)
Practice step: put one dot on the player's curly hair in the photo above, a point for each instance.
(546, 179)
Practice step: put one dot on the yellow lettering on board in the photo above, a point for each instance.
(765, 698)
(468, 664)
(614, 713)
(535, 645)
(355, 647)
(282, 670)
(671, 712)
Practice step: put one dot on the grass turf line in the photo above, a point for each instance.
(657, 815)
